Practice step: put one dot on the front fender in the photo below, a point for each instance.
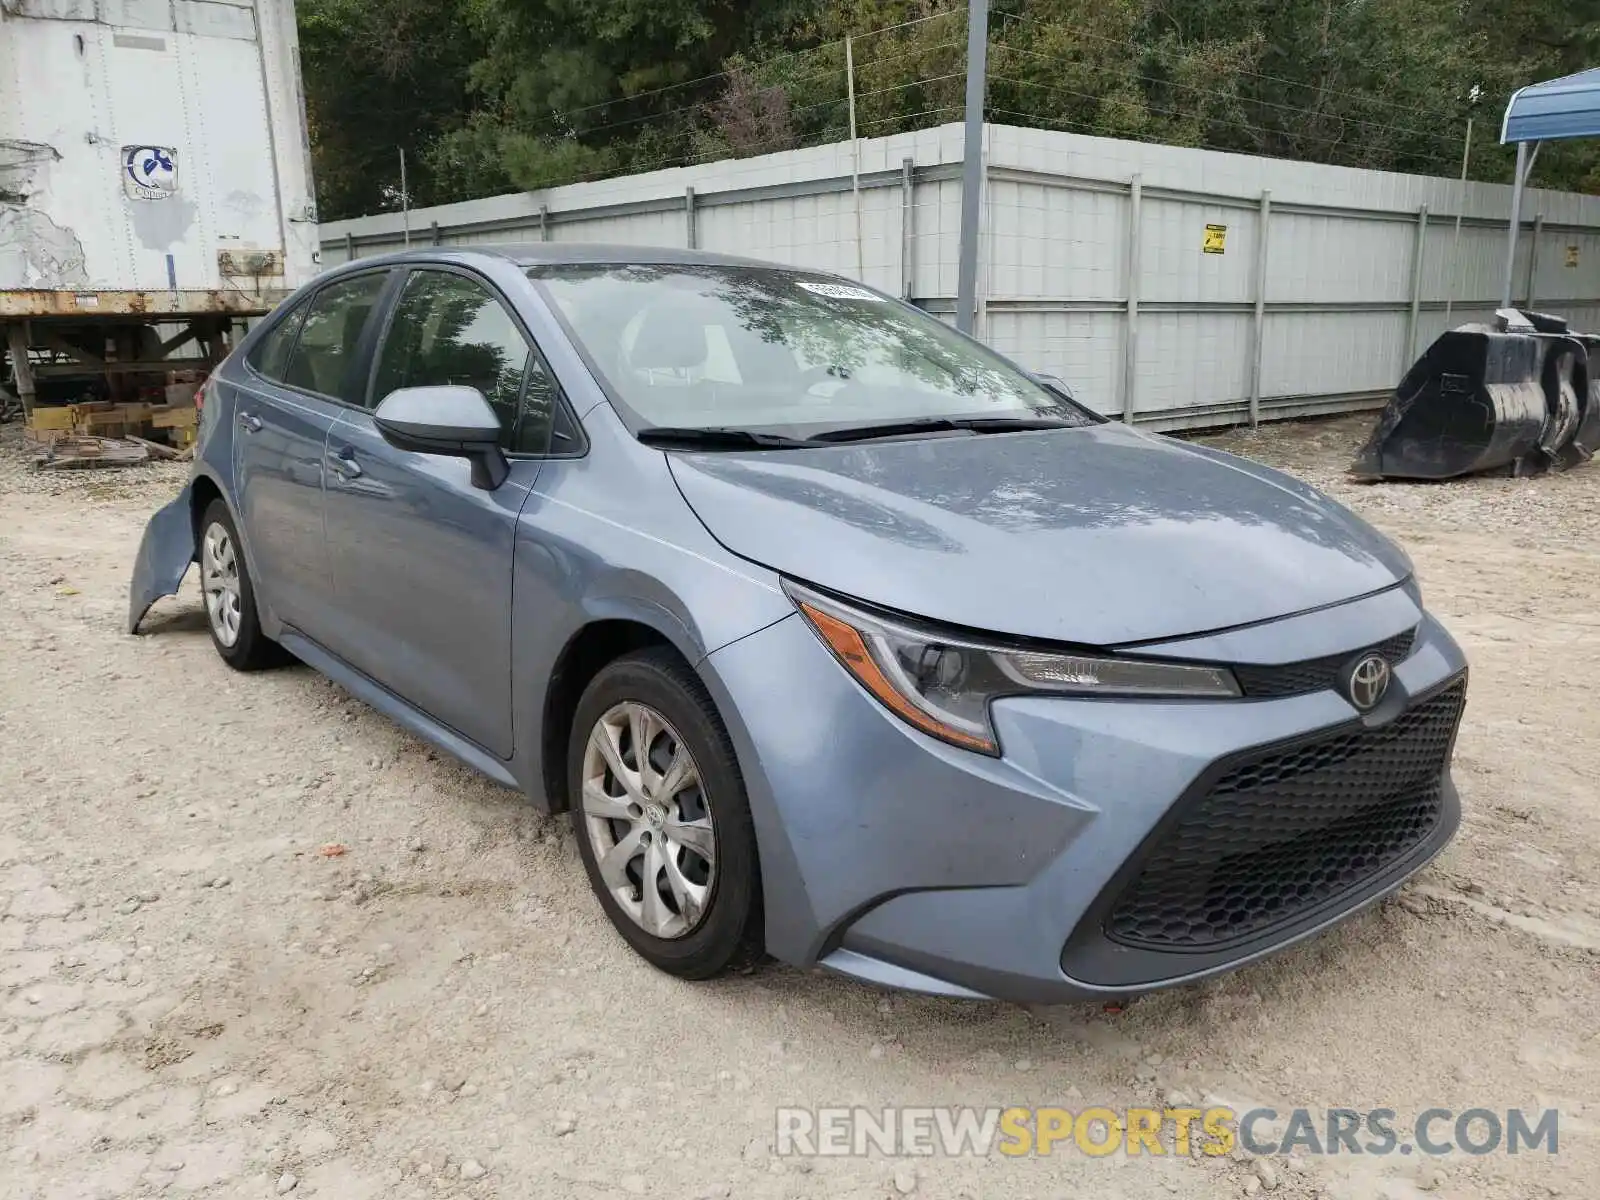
(165, 552)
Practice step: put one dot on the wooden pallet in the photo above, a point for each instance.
(89, 452)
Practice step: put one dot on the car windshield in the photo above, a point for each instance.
(692, 347)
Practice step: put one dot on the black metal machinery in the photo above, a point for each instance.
(1519, 396)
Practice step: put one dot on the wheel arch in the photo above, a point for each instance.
(204, 488)
(595, 645)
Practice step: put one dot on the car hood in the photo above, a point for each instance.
(1098, 536)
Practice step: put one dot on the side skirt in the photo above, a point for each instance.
(413, 720)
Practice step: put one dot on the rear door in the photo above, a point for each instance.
(422, 559)
(297, 379)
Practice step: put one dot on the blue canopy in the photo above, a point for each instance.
(1568, 107)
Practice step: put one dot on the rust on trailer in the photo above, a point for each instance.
(93, 305)
(249, 264)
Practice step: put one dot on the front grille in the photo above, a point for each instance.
(1315, 674)
(1288, 830)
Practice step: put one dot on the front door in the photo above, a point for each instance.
(421, 558)
(285, 398)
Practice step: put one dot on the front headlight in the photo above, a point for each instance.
(942, 684)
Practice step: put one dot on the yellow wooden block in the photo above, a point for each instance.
(50, 418)
(173, 418)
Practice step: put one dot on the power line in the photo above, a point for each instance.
(702, 79)
(837, 42)
(1174, 83)
(911, 53)
(1365, 97)
(702, 106)
(1096, 131)
(564, 127)
(556, 121)
(900, 87)
(786, 141)
(1245, 126)
(949, 12)
(591, 129)
(1265, 135)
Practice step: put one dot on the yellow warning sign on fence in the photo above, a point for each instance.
(1572, 256)
(1216, 239)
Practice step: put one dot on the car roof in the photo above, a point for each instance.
(530, 254)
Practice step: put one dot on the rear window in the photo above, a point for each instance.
(324, 357)
(271, 354)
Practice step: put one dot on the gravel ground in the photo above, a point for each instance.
(195, 1000)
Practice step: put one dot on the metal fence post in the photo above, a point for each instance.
(544, 222)
(972, 164)
(908, 230)
(434, 228)
(691, 237)
(1533, 256)
(1416, 286)
(1130, 344)
(1514, 227)
(1259, 338)
(349, 246)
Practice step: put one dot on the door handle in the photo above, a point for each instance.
(344, 463)
(250, 421)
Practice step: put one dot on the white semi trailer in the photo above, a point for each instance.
(155, 186)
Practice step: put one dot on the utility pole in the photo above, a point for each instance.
(1473, 94)
(1455, 238)
(405, 196)
(972, 164)
(855, 154)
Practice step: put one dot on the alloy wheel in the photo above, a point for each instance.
(648, 821)
(219, 577)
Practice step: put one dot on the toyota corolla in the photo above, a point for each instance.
(840, 637)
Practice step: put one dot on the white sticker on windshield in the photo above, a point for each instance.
(838, 291)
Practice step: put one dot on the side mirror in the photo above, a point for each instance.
(447, 419)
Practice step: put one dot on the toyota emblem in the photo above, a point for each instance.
(1368, 681)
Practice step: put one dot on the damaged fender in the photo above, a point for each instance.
(165, 552)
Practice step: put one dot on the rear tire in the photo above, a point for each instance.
(665, 834)
(230, 597)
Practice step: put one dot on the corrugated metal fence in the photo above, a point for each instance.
(1178, 287)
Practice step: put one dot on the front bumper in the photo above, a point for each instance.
(898, 859)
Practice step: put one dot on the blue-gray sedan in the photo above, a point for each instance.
(840, 636)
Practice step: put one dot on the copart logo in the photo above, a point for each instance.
(149, 172)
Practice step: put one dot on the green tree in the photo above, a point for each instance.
(381, 75)
(495, 94)
(569, 89)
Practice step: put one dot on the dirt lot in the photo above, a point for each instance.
(194, 1001)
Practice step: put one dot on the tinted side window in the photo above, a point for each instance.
(447, 329)
(271, 353)
(324, 359)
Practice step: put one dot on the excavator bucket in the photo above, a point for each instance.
(1565, 383)
(1514, 397)
(1586, 441)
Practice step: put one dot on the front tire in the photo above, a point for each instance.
(662, 821)
(229, 595)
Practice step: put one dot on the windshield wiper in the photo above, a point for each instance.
(887, 429)
(717, 438)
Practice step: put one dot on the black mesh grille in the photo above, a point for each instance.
(1315, 674)
(1285, 832)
